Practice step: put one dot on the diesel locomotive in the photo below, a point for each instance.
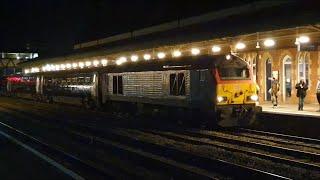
(220, 87)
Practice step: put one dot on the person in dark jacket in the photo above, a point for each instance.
(302, 88)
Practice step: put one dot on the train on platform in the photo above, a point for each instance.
(220, 88)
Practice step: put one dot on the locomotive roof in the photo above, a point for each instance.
(182, 63)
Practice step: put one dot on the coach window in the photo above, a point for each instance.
(177, 84)
(120, 89)
(117, 85)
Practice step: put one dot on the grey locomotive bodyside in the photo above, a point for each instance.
(155, 87)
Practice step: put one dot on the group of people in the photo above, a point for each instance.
(301, 88)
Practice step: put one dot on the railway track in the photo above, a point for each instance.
(176, 169)
(275, 153)
(179, 161)
(276, 137)
(57, 153)
(257, 136)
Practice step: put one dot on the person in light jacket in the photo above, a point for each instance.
(302, 88)
(275, 87)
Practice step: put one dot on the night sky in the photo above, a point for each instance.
(55, 25)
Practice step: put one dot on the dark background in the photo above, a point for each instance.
(54, 26)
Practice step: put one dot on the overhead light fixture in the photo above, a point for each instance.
(134, 58)
(161, 55)
(88, 63)
(147, 57)
(62, 66)
(57, 68)
(81, 64)
(304, 39)
(121, 60)
(240, 45)
(176, 53)
(228, 57)
(258, 45)
(216, 49)
(96, 63)
(269, 42)
(74, 65)
(195, 51)
(68, 66)
(104, 62)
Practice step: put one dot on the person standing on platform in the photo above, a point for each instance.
(275, 87)
(318, 92)
(302, 88)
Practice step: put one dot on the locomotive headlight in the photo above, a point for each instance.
(219, 99)
(254, 97)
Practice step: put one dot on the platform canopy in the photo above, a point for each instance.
(253, 27)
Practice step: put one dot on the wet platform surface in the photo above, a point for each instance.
(18, 163)
(309, 110)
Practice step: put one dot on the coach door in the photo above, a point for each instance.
(268, 79)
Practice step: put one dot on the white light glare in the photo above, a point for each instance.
(121, 60)
(240, 46)
(57, 67)
(74, 65)
(219, 99)
(34, 70)
(304, 39)
(62, 66)
(48, 67)
(26, 71)
(68, 66)
(147, 57)
(216, 49)
(228, 57)
(96, 63)
(254, 97)
(134, 58)
(88, 63)
(176, 53)
(81, 64)
(161, 55)
(269, 42)
(104, 62)
(195, 51)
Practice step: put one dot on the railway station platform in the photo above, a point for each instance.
(309, 110)
(286, 119)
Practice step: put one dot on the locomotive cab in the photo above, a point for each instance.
(236, 93)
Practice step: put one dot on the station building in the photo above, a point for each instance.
(9, 61)
(277, 39)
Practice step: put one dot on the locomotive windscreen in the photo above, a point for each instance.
(234, 69)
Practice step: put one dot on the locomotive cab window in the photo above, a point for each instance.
(234, 73)
(177, 84)
(117, 85)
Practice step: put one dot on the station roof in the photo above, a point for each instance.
(279, 18)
